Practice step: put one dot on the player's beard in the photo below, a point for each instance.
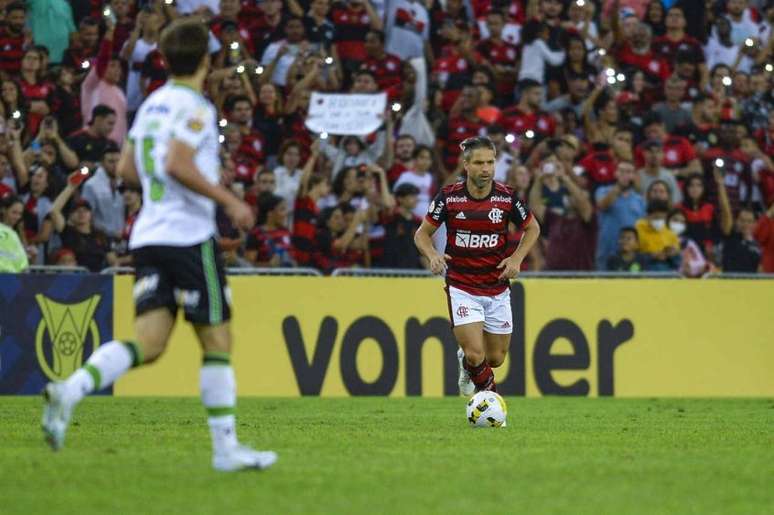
(480, 182)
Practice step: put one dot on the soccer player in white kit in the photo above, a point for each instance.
(172, 152)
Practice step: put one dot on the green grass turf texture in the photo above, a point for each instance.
(378, 455)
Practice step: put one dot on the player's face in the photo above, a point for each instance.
(480, 167)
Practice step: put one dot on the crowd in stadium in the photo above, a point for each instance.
(640, 133)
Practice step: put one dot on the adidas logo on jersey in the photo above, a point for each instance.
(460, 216)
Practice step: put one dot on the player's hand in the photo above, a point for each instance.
(438, 263)
(510, 267)
(241, 214)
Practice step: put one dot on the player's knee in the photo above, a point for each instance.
(152, 350)
(495, 359)
(474, 356)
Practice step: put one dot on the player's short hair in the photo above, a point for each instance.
(184, 44)
(471, 144)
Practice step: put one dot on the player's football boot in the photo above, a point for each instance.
(56, 414)
(465, 383)
(242, 458)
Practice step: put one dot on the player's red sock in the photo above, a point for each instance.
(482, 376)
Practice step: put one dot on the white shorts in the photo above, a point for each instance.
(495, 312)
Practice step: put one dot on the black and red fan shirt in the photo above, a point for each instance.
(264, 33)
(66, 107)
(305, 213)
(667, 49)
(516, 121)
(388, 74)
(453, 73)
(737, 177)
(268, 243)
(500, 53)
(351, 28)
(154, 70)
(251, 149)
(456, 131)
(11, 51)
(678, 152)
(650, 63)
(477, 234)
(599, 167)
(245, 28)
(516, 13)
(41, 91)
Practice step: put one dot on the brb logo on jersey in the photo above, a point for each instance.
(496, 215)
(467, 240)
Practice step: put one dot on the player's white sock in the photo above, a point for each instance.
(218, 386)
(109, 362)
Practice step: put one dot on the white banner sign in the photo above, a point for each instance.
(343, 114)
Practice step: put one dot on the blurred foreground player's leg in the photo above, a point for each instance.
(172, 152)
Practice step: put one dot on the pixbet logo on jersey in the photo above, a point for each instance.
(467, 240)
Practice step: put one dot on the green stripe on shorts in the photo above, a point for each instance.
(213, 283)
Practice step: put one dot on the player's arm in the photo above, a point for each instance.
(423, 239)
(127, 170)
(181, 166)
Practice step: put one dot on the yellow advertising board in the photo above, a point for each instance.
(356, 336)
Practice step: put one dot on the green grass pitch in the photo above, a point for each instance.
(397, 456)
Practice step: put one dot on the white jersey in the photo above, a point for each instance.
(172, 214)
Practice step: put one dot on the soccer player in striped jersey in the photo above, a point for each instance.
(477, 214)
(172, 152)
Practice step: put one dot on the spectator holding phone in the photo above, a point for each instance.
(91, 246)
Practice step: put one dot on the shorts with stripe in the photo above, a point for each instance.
(192, 278)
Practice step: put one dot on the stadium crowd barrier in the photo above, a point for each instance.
(366, 333)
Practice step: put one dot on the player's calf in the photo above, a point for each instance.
(481, 375)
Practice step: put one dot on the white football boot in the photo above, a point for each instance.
(56, 414)
(242, 458)
(465, 383)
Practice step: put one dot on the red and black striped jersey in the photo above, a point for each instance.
(477, 234)
(11, 51)
(305, 215)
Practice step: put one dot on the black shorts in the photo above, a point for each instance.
(192, 278)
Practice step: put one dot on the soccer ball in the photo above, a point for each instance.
(486, 409)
